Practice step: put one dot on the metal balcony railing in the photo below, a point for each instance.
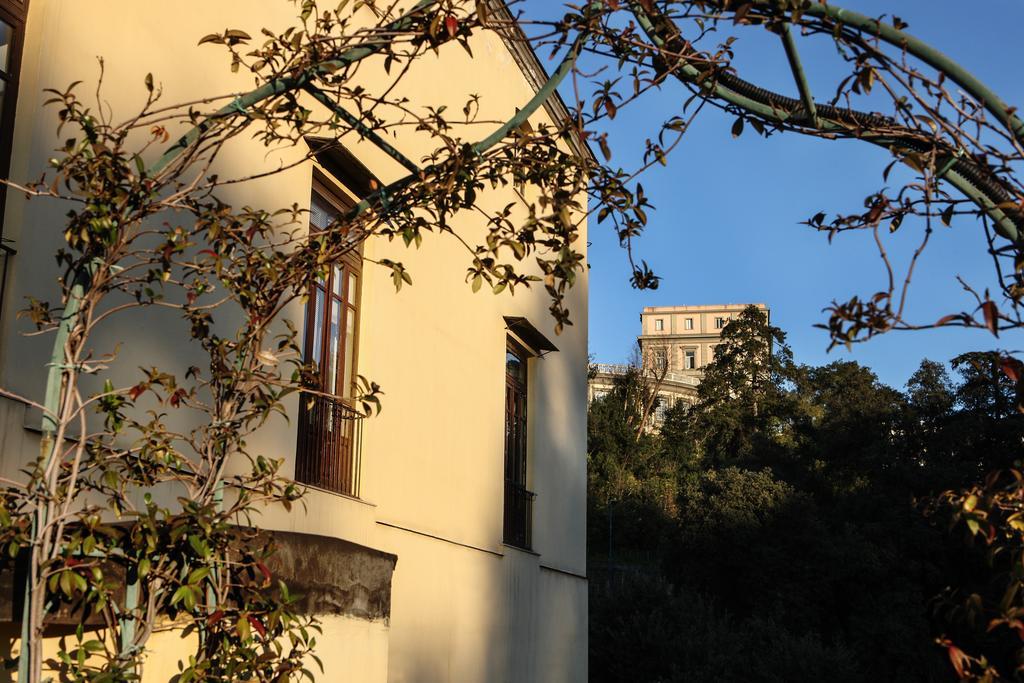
(330, 444)
(617, 369)
(518, 515)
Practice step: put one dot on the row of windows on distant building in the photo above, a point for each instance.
(689, 358)
(659, 323)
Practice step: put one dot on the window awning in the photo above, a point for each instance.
(343, 165)
(530, 335)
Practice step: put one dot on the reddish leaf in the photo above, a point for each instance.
(1011, 368)
(957, 658)
(263, 570)
(258, 625)
(215, 617)
(737, 128)
(136, 391)
(991, 314)
(610, 107)
(451, 24)
(875, 213)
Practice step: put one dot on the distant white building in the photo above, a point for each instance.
(676, 344)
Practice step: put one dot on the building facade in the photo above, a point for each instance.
(675, 343)
(683, 338)
(442, 541)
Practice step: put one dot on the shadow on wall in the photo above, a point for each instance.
(449, 615)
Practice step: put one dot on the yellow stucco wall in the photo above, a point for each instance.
(465, 607)
(357, 647)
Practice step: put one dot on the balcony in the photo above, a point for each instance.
(518, 515)
(618, 369)
(330, 444)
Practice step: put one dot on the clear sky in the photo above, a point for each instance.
(726, 228)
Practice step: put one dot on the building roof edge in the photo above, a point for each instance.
(536, 75)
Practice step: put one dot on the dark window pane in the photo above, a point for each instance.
(6, 36)
(515, 366)
(321, 213)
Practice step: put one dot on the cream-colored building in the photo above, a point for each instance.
(427, 561)
(676, 344)
(684, 338)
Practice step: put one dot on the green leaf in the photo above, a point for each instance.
(198, 575)
(199, 545)
(92, 646)
(180, 594)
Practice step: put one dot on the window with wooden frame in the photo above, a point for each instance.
(518, 499)
(12, 39)
(329, 429)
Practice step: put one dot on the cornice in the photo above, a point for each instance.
(536, 75)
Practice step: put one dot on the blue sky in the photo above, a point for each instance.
(726, 228)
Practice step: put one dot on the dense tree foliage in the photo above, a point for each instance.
(790, 526)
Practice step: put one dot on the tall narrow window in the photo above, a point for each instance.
(12, 34)
(661, 406)
(689, 359)
(688, 324)
(659, 324)
(518, 499)
(12, 37)
(719, 323)
(328, 449)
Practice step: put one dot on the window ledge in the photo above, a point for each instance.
(335, 494)
(520, 549)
